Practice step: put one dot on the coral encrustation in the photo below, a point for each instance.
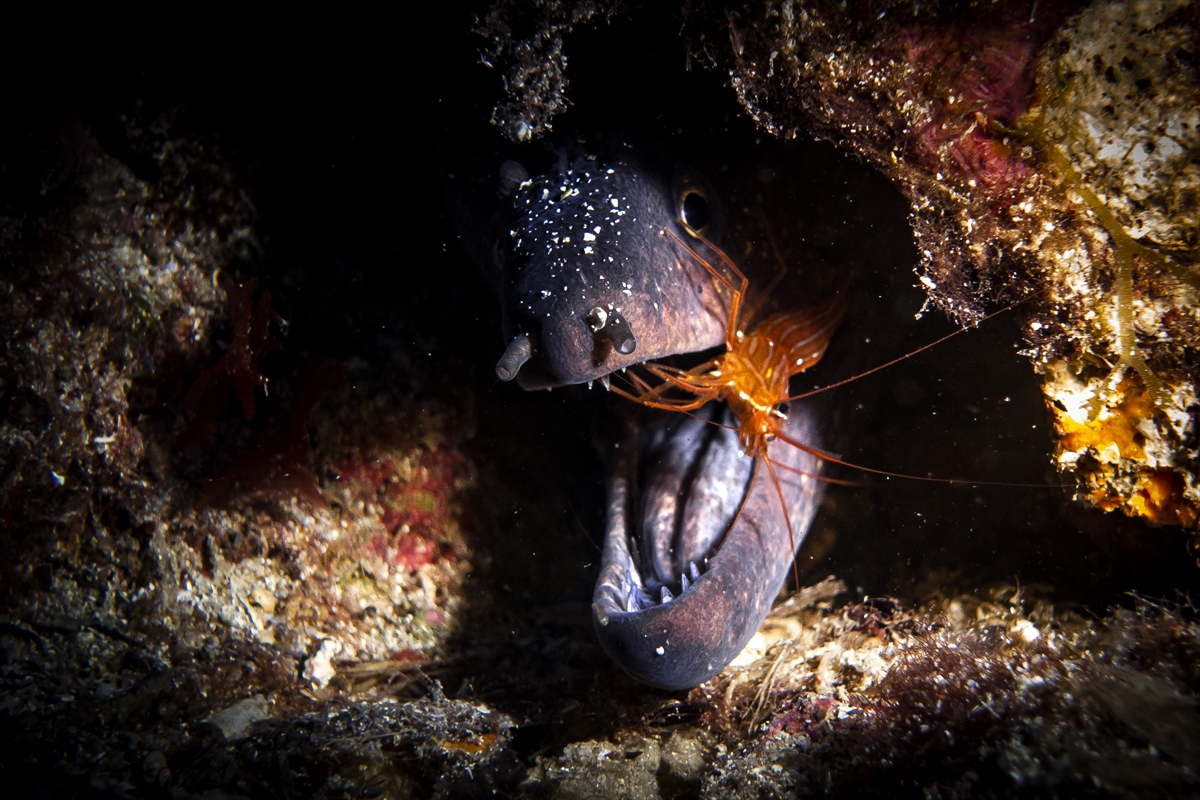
(1049, 158)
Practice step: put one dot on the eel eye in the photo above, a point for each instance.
(697, 206)
(694, 211)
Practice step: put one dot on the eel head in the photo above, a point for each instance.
(590, 282)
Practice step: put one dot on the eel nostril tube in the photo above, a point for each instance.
(613, 329)
(520, 350)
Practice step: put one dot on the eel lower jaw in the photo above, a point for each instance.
(622, 590)
(677, 640)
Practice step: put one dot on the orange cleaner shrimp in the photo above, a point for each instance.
(753, 375)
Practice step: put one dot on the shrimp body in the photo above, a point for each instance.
(760, 367)
(754, 372)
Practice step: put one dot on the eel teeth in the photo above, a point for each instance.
(666, 595)
(693, 571)
(605, 383)
(684, 582)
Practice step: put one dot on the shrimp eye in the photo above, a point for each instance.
(782, 410)
(694, 211)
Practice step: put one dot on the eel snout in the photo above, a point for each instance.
(686, 579)
(590, 282)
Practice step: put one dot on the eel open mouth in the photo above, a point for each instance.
(696, 545)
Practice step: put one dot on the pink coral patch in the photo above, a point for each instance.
(974, 78)
(414, 552)
(412, 502)
(377, 546)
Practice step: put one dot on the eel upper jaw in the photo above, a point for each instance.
(524, 360)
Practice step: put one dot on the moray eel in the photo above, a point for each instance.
(696, 546)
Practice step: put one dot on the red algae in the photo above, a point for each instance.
(958, 696)
(413, 503)
(973, 76)
(413, 551)
(281, 467)
(237, 372)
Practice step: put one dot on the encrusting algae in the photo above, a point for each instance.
(1050, 158)
(1117, 119)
